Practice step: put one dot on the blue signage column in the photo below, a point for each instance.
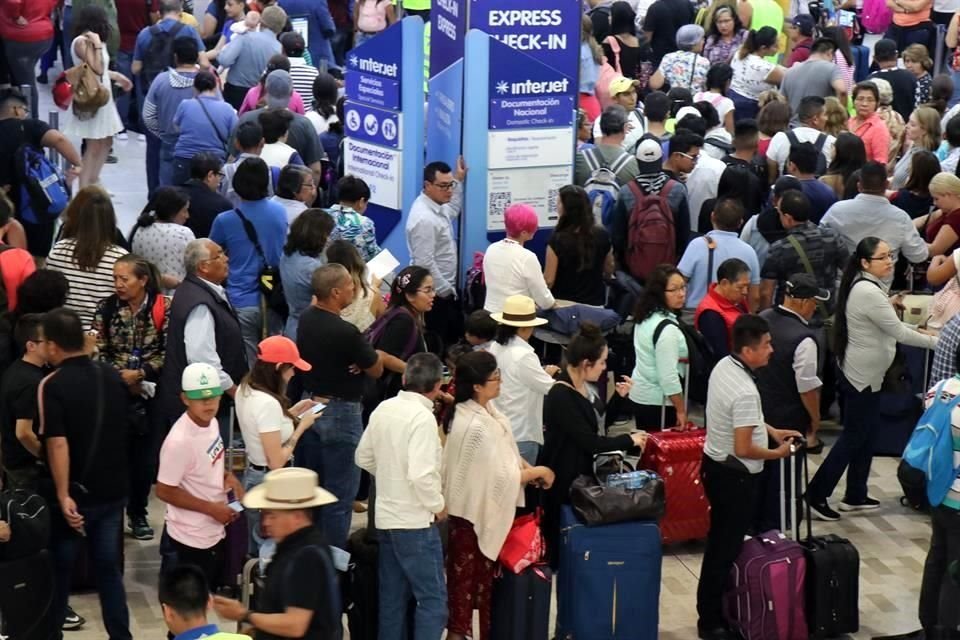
(383, 117)
(448, 23)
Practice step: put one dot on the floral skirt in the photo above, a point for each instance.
(469, 580)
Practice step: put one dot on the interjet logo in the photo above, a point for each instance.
(374, 66)
(533, 87)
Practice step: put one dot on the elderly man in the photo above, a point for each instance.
(203, 327)
(296, 190)
(341, 359)
(300, 598)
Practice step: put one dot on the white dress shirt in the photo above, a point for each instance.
(293, 207)
(199, 337)
(401, 449)
(430, 239)
(523, 386)
(509, 270)
(702, 185)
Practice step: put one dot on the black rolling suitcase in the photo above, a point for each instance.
(26, 592)
(833, 579)
(520, 609)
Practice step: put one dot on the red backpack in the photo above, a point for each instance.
(651, 231)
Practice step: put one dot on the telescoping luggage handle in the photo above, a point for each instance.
(686, 399)
(797, 452)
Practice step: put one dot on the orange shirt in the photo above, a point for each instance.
(913, 18)
(875, 136)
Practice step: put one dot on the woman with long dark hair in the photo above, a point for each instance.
(578, 252)
(657, 392)
(629, 53)
(271, 428)
(256, 97)
(849, 155)
(131, 328)
(483, 481)
(161, 237)
(369, 304)
(718, 83)
(325, 95)
(739, 183)
(867, 331)
(914, 197)
(725, 34)
(752, 73)
(87, 250)
(843, 54)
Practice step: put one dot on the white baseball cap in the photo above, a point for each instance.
(200, 381)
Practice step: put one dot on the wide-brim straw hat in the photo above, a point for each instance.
(290, 488)
(519, 311)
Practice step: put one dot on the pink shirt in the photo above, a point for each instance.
(253, 96)
(192, 458)
(875, 136)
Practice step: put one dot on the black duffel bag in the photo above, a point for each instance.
(596, 503)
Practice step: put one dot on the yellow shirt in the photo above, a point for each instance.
(188, 19)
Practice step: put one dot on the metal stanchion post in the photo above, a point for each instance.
(53, 119)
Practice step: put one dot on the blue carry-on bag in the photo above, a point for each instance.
(609, 580)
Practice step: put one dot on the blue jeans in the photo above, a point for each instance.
(529, 450)
(153, 163)
(853, 450)
(104, 528)
(251, 328)
(166, 164)
(328, 448)
(251, 478)
(125, 98)
(411, 564)
(180, 172)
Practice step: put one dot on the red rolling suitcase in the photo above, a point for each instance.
(676, 455)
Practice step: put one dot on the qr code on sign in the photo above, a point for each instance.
(499, 201)
(552, 196)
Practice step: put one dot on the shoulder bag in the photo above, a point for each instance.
(270, 285)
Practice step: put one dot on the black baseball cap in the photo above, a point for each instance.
(804, 286)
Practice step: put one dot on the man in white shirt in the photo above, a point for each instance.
(702, 181)
(811, 116)
(432, 245)
(509, 269)
(401, 449)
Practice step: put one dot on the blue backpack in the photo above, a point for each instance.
(43, 191)
(930, 449)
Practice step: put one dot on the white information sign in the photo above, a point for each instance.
(517, 148)
(538, 187)
(379, 167)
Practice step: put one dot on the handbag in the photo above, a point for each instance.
(621, 497)
(89, 94)
(524, 545)
(269, 282)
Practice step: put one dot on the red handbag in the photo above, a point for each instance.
(524, 545)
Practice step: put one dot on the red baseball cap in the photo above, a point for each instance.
(281, 350)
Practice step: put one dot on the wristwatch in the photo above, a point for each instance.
(246, 618)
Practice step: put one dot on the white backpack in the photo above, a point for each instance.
(602, 186)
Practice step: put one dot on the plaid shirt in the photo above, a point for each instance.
(825, 251)
(128, 332)
(945, 355)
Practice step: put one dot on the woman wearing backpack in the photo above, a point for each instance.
(131, 327)
(867, 331)
(92, 30)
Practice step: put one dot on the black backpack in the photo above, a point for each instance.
(818, 143)
(29, 521)
(700, 355)
(159, 54)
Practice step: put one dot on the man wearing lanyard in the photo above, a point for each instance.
(734, 451)
(432, 244)
(185, 600)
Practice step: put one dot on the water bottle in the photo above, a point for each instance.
(134, 362)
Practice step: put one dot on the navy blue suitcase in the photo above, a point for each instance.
(521, 604)
(609, 580)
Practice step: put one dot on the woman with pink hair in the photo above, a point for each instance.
(510, 269)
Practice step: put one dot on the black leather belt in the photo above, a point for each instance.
(257, 467)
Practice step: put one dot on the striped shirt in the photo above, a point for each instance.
(302, 75)
(951, 389)
(733, 402)
(87, 288)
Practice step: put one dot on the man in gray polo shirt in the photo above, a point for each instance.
(734, 452)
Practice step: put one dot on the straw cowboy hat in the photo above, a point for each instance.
(289, 488)
(519, 311)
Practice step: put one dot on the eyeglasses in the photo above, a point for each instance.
(682, 287)
(221, 174)
(308, 185)
(689, 157)
(430, 291)
(26, 110)
(495, 377)
(446, 186)
(220, 256)
(886, 256)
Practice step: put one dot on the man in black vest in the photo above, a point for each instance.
(203, 328)
(790, 384)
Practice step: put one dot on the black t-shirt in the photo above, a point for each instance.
(13, 133)
(301, 575)
(332, 345)
(68, 406)
(18, 401)
(573, 283)
(205, 205)
(664, 18)
(395, 341)
(629, 58)
(903, 84)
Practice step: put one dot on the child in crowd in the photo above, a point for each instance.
(480, 330)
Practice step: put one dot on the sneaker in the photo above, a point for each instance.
(866, 505)
(822, 511)
(73, 620)
(139, 529)
(42, 78)
(141, 137)
(111, 158)
(123, 135)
